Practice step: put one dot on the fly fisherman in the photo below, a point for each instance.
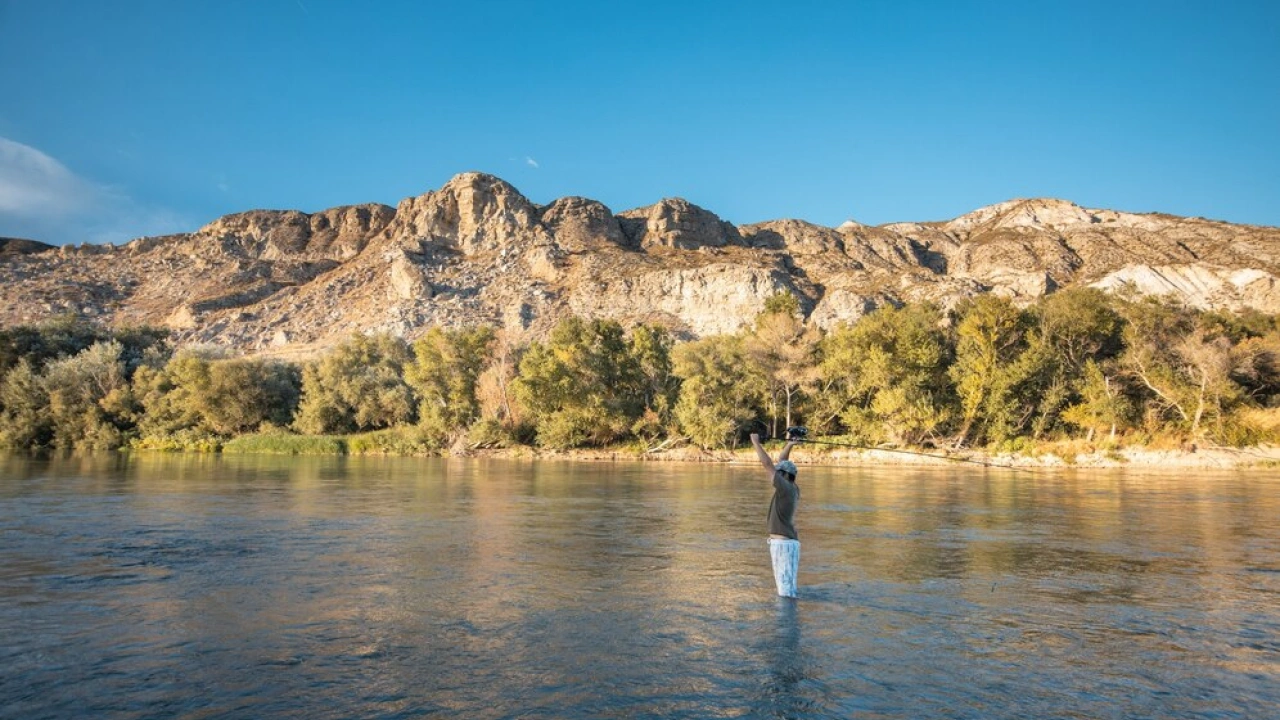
(784, 543)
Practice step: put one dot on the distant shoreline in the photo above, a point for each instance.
(1201, 458)
(1048, 460)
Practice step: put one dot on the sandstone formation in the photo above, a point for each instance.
(477, 251)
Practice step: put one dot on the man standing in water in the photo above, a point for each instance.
(784, 543)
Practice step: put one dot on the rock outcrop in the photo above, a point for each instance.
(677, 224)
(478, 251)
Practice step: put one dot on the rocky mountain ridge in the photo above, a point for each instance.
(478, 251)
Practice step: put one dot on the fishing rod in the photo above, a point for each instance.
(800, 435)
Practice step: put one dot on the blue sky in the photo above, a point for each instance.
(128, 118)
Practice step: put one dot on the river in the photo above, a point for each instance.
(155, 586)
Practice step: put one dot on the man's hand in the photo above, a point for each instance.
(763, 456)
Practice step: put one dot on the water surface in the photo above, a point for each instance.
(248, 587)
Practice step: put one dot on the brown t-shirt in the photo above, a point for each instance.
(782, 508)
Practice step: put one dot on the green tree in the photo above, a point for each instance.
(444, 373)
(199, 393)
(718, 390)
(1104, 403)
(142, 345)
(357, 386)
(783, 351)
(1081, 325)
(990, 366)
(1184, 361)
(1257, 367)
(31, 422)
(582, 386)
(886, 378)
(173, 396)
(25, 420)
(502, 420)
(1069, 330)
(651, 349)
(88, 398)
(244, 394)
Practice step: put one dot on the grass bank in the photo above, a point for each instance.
(405, 441)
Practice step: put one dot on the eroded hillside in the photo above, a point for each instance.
(477, 251)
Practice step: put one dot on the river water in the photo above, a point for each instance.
(250, 587)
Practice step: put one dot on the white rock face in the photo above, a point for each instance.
(543, 263)
(795, 236)
(843, 306)
(1038, 213)
(709, 300)
(408, 282)
(1021, 286)
(1112, 218)
(1199, 286)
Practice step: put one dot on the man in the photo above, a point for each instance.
(784, 543)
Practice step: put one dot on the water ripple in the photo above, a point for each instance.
(336, 588)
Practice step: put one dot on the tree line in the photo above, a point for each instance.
(1078, 364)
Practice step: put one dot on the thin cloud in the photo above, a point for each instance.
(530, 162)
(42, 199)
(34, 185)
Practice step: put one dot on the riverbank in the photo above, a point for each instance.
(1067, 456)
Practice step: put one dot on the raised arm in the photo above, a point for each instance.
(760, 453)
(786, 450)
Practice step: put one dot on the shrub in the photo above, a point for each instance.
(282, 443)
(188, 440)
(215, 396)
(25, 421)
(405, 440)
(358, 386)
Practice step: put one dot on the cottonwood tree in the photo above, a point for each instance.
(25, 421)
(66, 382)
(1256, 366)
(444, 373)
(357, 386)
(1182, 362)
(88, 396)
(501, 416)
(198, 392)
(1068, 331)
(60, 337)
(1104, 402)
(245, 394)
(783, 351)
(718, 390)
(885, 377)
(582, 386)
(989, 367)
(651, 349)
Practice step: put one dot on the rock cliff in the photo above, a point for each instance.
(478, 251)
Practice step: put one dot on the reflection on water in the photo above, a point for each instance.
(175, 586)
